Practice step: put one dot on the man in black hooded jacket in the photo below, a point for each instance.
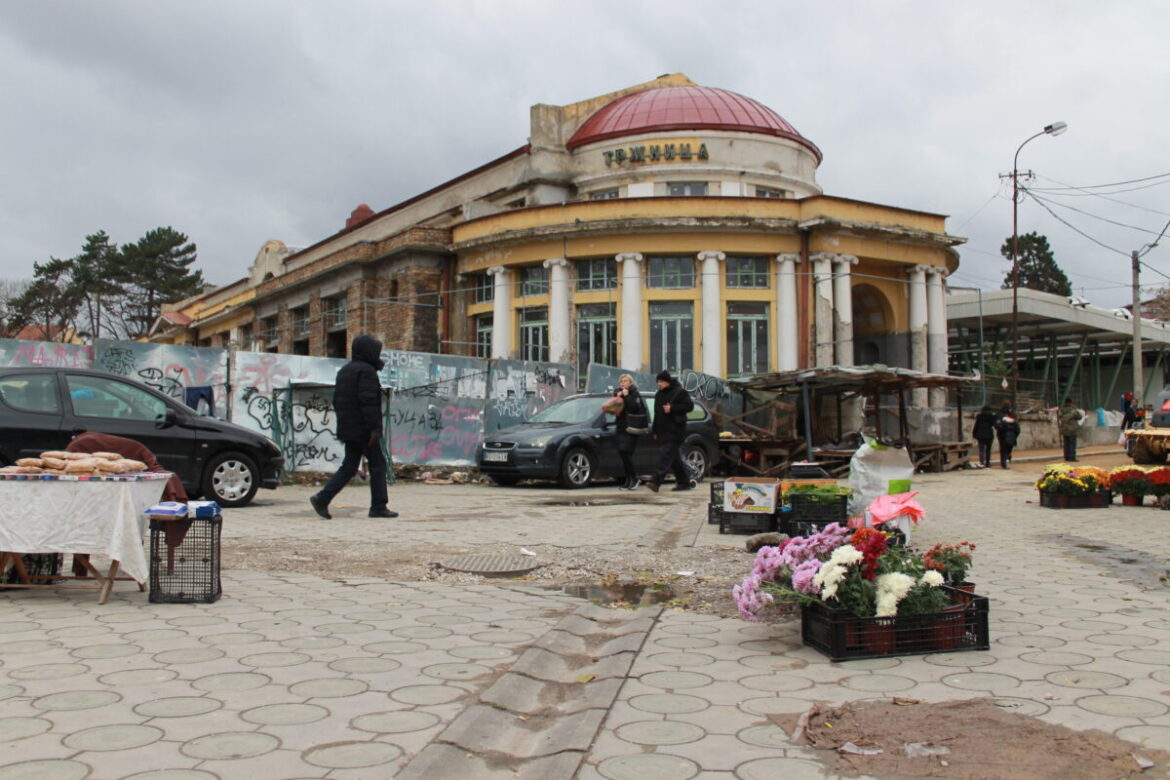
(671, 404)
(357, 401)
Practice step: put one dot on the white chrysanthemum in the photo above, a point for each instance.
(887, 605)
(932, 578)
(897, 584)
(845, 555)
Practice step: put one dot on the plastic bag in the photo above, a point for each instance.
(613, 405)
(872, 468)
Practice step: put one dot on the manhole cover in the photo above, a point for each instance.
(491, 564)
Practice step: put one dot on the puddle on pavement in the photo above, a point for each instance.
(630, 593)
(1148, 571)
(595, 501)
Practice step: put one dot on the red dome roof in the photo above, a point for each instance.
(685, 108)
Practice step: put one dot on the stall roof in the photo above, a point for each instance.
(874, 379)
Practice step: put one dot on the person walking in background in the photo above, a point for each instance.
(357, 401)
(984, 435)
(1069, 422)
(671, 405)
(1007, 430)
(1128, 411)
(633, 415)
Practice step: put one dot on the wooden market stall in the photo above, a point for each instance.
(799, 416)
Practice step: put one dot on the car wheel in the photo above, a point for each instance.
(696, 459)
(577, 468)
(231, 479)
(504, 480)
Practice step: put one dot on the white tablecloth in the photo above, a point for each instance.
(106, 518)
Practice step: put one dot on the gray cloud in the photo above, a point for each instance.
(236, 122)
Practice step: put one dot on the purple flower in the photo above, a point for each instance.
(802, 576)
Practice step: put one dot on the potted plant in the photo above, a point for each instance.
(953, 561)
(1132, 482)
(1159, 481)
(1062, 487)
(860, 596)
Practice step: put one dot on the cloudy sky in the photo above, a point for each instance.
(237, 121)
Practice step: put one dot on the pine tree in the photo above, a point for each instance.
(1037, 267)
(95, 274)
(51, 301)
(156, 269)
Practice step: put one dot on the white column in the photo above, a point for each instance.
(559, 314)
(712, 343)
(787, 314)
(501, 312)
(936, 331)
(917, 291)
(823, 307)
(631, 332)
(843, 305)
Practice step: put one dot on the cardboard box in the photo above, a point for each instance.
(751, 495)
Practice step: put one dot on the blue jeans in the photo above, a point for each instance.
(354, 450)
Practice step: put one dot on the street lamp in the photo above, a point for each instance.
(1056, 128)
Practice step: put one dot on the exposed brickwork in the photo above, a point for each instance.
(316, 326)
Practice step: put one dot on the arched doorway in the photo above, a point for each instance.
(873, 340)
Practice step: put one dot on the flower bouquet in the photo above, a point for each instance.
(952, 560)
(861, 596)
(1132, 482)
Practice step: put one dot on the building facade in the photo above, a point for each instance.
(664, 226)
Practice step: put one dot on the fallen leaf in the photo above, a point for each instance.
(586, 678)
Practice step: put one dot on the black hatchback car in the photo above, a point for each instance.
(572, 442)
(43, 408)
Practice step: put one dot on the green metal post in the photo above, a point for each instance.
(1076, 368)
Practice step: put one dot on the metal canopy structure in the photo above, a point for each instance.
(843, 382)
(1067, 346)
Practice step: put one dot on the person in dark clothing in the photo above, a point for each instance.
(624, 440)
(984, 434)
(357, 401)
(1069, 419)
(1007, 429)
(1129, 412)
(671, 404)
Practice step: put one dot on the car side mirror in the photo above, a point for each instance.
(168, 419)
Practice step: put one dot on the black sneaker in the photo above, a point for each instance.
(320, 507)
(383, 512)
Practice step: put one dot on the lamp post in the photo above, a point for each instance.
(1056, 128)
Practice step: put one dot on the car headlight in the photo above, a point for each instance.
(540, 442)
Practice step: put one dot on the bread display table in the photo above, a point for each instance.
(63, 514)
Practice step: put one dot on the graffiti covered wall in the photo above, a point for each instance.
(14, 352)
(520, 389)
(168, 368)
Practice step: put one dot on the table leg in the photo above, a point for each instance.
(107, 581)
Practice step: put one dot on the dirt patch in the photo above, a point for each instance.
(965, 740)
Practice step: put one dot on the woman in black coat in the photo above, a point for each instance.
(984, 434)
(1007, 428)
(624, 440)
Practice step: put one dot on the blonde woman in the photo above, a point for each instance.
(624, 441)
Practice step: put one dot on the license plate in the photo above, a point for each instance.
(495, 457)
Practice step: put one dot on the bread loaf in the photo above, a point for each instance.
(81, 466)
(30, 462)
(106, 455)
(56, 455)
(56, 464)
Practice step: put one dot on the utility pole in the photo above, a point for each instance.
(1138, 379)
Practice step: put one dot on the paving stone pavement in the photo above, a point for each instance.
(293, 676)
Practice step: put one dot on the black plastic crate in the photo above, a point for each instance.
(744, 522)
(844, 637)
(819, 510)
(184, 567)
(715, 508)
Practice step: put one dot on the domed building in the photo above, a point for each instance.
(664, 226)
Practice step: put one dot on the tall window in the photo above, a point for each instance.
(533, 280)
(299, 320)
(267, 337)
(597, 273)
(485, 288)
(609, 194)
(747, 272)
(245, 338)
(596, 336)
(747, 338)
(334, 311)
(768, 192)
(534, 334)
(687, 188)
(671, 272)
(672, 336)
(483, 336)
